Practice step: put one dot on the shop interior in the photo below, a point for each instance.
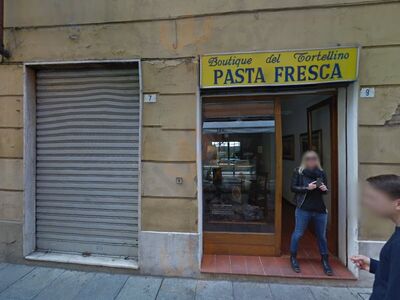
(306, 125)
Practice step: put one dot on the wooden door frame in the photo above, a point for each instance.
(259, 244)
(278, 175)
(333, 111)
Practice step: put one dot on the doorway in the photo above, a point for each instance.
(309, 122)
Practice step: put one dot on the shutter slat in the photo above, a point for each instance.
(88, 131)
(88, 124)
(86, 204)
(97, 154)
(88, 105)
(79, 93)
(86, 185)
(81, 117)
(87, 157)
(92, 199)
(84, 86)
(88, 73)
(87, 225)
(86, 192)
(86, 231)
(88, 172)
(97, 213)
(58, 111)
(86, 80)
(87, 164)
(88, 178)
(128, 222)
(115, 99)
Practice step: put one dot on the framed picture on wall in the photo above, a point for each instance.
(288, 147)
(303, 140)
(316, 140)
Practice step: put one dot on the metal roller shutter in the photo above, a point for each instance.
(87, 139)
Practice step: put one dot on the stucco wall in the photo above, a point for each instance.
(169, 146)
(54, 12)
(379, 143)
(11, 182)
(168, 36)
(188, 37)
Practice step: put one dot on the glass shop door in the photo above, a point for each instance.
(242, 167)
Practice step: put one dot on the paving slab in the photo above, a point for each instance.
(31, 284)
(291, 292)
(251, 290)
(140, 288)
(208, 290)
(332, 293)
(102, 287)
(364, 296)
(361, 293)
(66, 287)
(11, 273)
(177, 288)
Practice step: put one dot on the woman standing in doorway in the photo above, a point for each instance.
(309, 185)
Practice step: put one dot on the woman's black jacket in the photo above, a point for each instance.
(299, 186)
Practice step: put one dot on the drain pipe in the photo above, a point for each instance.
(3, 52)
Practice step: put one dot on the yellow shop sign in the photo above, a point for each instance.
(279, 68)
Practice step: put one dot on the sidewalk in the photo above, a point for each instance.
(20, 282)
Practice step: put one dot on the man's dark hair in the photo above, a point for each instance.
(387, 183)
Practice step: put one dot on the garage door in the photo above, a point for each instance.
(87, 126)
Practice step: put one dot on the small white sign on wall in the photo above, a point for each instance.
(150, 98)
(368, 92)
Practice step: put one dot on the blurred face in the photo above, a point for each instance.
(311, 161)
(380, 203)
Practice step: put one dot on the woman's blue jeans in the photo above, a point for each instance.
(303, 217)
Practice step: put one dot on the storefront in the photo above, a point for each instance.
(125, 144)
(260, 112)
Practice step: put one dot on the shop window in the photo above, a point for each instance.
(238, 165)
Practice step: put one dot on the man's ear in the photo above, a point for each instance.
(397, 204)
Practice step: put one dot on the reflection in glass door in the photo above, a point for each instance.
(239, 166)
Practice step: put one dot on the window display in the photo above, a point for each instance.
(238, 167)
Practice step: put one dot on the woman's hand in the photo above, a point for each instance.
(312, 186)
(361, 261)
(323, 187)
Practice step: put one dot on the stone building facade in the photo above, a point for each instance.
(166, 38)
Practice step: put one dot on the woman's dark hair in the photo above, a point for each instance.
(387, 183)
